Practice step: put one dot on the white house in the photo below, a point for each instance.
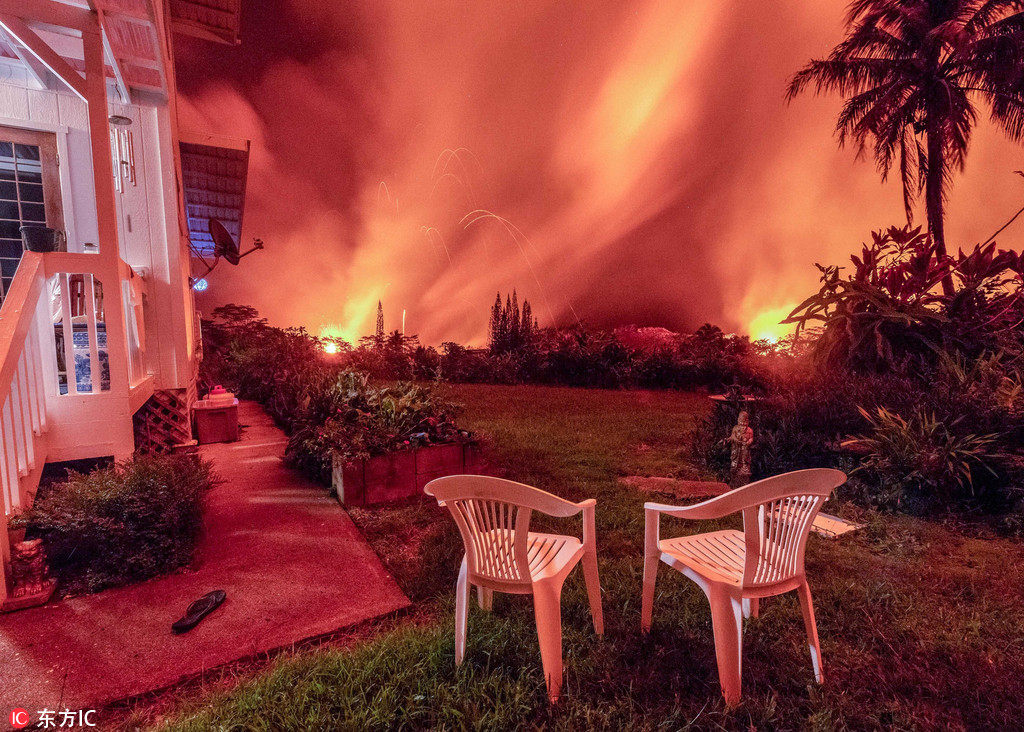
(99, 342)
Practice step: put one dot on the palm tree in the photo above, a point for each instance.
(912, 73)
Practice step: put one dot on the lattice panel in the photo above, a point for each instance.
(162, 424)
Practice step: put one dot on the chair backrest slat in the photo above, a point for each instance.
(495, 536)
(777, 526)
(493, 516)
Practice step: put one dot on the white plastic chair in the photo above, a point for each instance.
(737, 568)
(493, 516)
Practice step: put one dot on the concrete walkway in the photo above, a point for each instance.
(292, 562)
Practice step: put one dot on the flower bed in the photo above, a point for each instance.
(351, 419)
(399, 475)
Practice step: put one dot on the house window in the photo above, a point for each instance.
(29, 193)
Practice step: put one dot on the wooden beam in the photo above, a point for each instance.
(51, 13)
(115, 63)
(35, 69)
(107, 268)
(163, 55)
(60, 68)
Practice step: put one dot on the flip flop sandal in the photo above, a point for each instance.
(199, 610)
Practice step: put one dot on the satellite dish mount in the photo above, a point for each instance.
(224, 246)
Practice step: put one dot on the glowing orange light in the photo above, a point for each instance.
(330, 347)
(768, 326)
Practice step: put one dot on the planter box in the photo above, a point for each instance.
(401, 474)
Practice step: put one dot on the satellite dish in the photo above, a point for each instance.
(224, 245)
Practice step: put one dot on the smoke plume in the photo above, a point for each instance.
(613, 162)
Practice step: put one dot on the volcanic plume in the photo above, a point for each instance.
(615, 162)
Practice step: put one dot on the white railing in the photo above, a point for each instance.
(54, 312)
(23, 416)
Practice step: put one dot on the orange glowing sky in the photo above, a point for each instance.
(618, 162)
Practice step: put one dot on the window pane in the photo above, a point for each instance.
(6, 150)
(10, 248)
(9, 266)
(8, 210)
(30, 192)
(10, 229)
(8, 191)
(26, 152)
(31, 175)
(33, 212)
(6, 168)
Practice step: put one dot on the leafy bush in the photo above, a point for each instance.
(891, 315)
(124, 523)
(466, 366)
(326, 405)
(933, 368)
(922, 433)
(922, 457)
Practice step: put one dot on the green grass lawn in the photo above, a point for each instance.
(920, 624)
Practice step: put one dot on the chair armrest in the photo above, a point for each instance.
(713, 508)
(717, 507)
(589, 523)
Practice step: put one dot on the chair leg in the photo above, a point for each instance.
(462, 592)
(751, 607)
(727, 624)
(485, 598)
(647, 600)
(547, 607)
(807, 606)
(593, 590)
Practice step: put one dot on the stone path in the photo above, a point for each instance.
(292, 562)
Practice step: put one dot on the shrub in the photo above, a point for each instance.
(937, 441)
(889, 314)
(124, 523)
(464, 365)
(922, 457)
(426, 363)
(578, 357)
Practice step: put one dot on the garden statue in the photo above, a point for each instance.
(31, 582)
(741, 439)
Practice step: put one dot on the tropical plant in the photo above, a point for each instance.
(913, 73)
(889, 312)
(922, 454)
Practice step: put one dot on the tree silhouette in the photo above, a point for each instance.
(495, 335)
(514, 335)
(526, 330)
(912, 73)
(511, 328)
